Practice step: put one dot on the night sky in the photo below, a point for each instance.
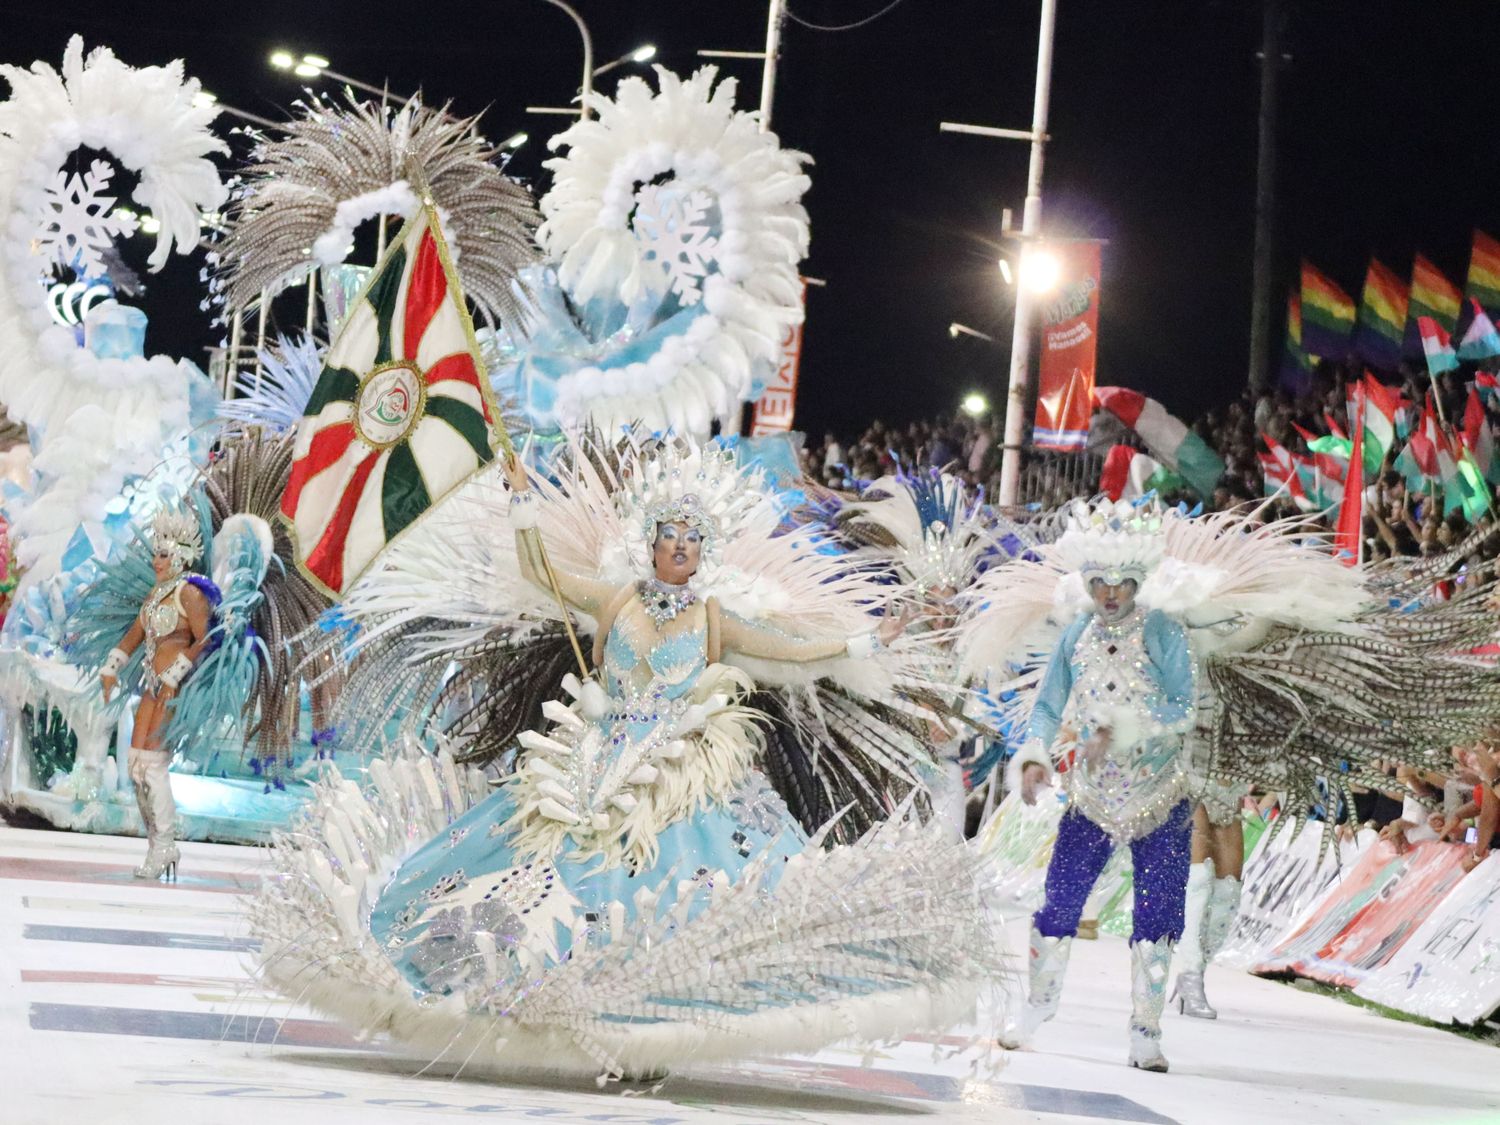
(1386, 147)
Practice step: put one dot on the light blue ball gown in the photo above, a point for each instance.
(636, 897)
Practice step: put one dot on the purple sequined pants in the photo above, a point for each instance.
(1161, 859)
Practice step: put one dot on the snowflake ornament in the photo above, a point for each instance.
(673, 227)
(79, 226)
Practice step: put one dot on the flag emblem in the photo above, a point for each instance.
(399, 417)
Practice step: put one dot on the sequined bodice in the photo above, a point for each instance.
(640, 656)
(159, 615)
(1134, 785)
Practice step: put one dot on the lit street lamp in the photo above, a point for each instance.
(1031, 228)
(315, 66)
(639, 55)
(955, 330)
(975, 404)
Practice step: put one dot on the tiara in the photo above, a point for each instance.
(177, 534)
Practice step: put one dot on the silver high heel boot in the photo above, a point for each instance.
(1187, 994)
(1218, 920)
(1049, 961)
(154, 794)
(1150, 962)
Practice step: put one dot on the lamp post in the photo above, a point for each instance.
(644, 53)
(774, 19)
(1031, 226)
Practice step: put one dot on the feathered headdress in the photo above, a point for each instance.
(1114, 540)
(176, 532)
(700, 486)
(938, 536)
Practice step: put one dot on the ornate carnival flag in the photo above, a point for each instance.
(401, 413)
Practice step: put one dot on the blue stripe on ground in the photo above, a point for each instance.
(156, 938)
(1083, 1103)
(208, 1026)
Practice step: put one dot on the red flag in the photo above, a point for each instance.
(1279, 467)
(1348, 538)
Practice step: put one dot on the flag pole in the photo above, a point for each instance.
(507, 447)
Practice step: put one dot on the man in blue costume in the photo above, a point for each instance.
(1117, 695)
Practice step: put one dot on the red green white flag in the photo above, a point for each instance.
(1166, 437)
(1129, 474)
(400, 415)
(1437, 346)
(1279, 470)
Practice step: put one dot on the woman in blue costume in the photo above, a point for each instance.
(637, 896)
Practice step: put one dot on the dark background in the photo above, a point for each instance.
(1386, 147)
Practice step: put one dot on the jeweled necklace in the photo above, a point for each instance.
(663, 601)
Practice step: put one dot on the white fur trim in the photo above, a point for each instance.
(1032, 752)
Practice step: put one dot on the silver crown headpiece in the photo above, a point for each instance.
(1115, 540)
(681, 482)
(177, 533)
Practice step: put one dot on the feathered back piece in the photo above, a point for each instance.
(1211, 569)
(176, 533)
(247, 479)
(938, 536)
(337, 167)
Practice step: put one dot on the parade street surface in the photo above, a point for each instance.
(129, 1002)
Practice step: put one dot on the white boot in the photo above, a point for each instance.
(1223, 909)
(1187, 993)
(1049, 961)
(1150, 962)
(153, 787)
(1218, 920)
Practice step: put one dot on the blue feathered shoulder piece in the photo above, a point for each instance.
(222, 685)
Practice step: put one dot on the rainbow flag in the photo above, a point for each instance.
(1327, 315)
(1432, 296)
(1483, 284)
(1296, 364)
(1382, 317)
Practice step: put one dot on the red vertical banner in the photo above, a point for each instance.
(778, 403)
(1070, 335)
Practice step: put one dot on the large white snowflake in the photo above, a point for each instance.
(78, 225)
(673, 227)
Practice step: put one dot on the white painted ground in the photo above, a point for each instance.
(97, 1028)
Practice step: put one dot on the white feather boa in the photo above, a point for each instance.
(146, 118)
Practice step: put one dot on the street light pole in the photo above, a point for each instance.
(1031, 229)
(586, 89)
(775, 18)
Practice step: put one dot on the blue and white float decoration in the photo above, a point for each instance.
(673, 231)
(103, 413)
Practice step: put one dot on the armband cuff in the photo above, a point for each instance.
(522, 511)
(176, 672)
